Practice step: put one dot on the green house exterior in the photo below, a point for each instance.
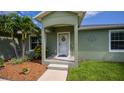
(67, 42)
(7, 46)
(94, 45)
(85, 42)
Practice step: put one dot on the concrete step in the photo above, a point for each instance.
(71, 64)
(58, 66)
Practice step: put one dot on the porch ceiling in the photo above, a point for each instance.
(59, 25)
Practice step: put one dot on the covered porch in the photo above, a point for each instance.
(60, 44)
(60, 36)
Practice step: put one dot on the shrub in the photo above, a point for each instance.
(26, 58)
(16, 61)
(19, 60)
(1, 62)
(31, 55)
(37, 52)
(25, 71)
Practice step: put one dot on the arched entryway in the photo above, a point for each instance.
(60, 36)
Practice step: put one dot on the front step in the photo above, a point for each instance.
(58, 66)
(70, 64)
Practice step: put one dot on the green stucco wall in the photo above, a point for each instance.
(60, 17)
(6, 48)
(52, 39)
(94, 45)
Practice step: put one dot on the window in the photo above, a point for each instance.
(33, 42)
(117, 40)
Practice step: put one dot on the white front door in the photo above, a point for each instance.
(63, 44)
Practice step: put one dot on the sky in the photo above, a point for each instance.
(91, 17)
(110, 17)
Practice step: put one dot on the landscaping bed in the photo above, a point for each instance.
(97, 71)
(29, 70)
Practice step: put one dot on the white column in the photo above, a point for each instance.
(76, 44)
(43, 45)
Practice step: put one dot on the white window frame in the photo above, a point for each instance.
(114, 50)
(30, 42)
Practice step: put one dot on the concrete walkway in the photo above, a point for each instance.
(57, 74)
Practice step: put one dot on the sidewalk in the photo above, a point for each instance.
(54, 75)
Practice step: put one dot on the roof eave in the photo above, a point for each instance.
(97, 28)
(81, 17)
(43, 14)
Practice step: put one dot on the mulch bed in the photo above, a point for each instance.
(13, 72)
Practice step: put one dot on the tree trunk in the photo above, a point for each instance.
(23, 45)
(14, 45)
(23, 49)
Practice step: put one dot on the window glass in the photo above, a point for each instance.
(34, 41)
(117, 40)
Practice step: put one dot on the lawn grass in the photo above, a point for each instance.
(97, 71)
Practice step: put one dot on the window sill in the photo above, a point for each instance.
(120, 51)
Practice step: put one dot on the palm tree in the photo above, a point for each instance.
(2, 22)
(10, 27)
(16, 23)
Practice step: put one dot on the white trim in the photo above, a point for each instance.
(39, 14)
(58, 44)
(109, 36)
(114, 50)
(30, 42)
(44, 13)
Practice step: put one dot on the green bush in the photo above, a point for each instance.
(16, 61)
(31, 55)
(37, 52)
(19, 60)
(25, 71)
(1, 62)
(26, 58)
